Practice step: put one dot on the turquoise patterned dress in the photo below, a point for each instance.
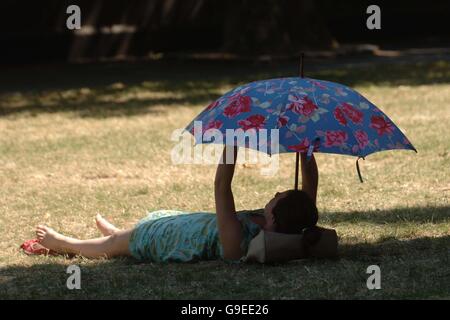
(176, 236)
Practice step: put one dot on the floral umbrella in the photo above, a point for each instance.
(311, 116)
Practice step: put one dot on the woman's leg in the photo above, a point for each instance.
(105, 247)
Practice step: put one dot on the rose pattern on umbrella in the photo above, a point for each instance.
(255, 121)
(237, 105)
(213, 124)
(282, 121)
(335, 138)
(302, 106)
(303, 110)
(362, 138)
(353, 114)
(381, 125)
(303, 146)
(212, 105)
(340, 116)
(319, 84)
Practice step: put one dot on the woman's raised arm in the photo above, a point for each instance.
(230, 230)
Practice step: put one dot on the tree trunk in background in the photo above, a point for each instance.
(271, 26)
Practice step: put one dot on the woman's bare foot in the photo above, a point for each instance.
(51, 239)
(104, 226)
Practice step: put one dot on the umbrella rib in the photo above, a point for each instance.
(314, 94)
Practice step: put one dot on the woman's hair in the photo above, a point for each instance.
(296, 213)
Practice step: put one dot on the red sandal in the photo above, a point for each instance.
(33, 247)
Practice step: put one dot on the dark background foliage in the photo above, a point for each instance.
(35, 31)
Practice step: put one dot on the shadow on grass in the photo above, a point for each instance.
(423, 248)
(190, 83)
(417, 268)
(398, 215)
(420, 260)
(93, 107)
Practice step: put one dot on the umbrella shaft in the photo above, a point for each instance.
(297, 158)
(297, 155)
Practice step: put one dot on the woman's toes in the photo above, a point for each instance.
(42, 227)
(46, 229)
(40, 234)
(42, 231)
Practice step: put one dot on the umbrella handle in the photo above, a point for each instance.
(297, 158)
(312, 146)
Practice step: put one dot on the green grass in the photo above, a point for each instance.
(77, 140)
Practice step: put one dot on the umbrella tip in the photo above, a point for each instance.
(302, 56)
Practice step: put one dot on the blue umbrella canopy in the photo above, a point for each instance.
(309, 114)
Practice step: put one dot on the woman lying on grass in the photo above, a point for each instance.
(164, 236)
